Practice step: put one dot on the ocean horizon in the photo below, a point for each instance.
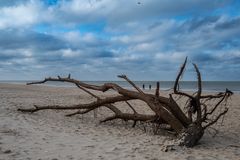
(207, 86)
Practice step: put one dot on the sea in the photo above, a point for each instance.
(207, 86)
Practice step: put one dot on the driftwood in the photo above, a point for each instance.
(188, 126)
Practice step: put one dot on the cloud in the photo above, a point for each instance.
(69, 53)
(7, 3)
(76, 11)
(97, 40)
(17, 39)
(25, 13)
(18, 16)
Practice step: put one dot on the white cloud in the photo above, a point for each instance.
(69, 53)
(19, 16)
(143, 47)
(77, 38)
(171, 57)
(25, 15)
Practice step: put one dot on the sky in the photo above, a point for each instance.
(100, 39)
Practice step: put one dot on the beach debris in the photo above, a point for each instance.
(7, 151)
(187, 122)
(166, 148)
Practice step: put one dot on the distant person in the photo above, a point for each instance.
(143, 86)
(150, 87)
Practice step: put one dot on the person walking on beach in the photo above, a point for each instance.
(150, 86)
(143, 86)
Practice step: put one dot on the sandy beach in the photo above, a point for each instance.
(48, 135)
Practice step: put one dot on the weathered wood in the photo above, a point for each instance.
(157, 93)
(166, 109)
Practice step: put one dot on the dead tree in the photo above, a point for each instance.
(188, 126)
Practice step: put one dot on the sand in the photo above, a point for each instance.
(49, 135)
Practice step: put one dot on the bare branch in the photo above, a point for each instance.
(216, 119)
(90, 93)
(127, 116)
(204, 110)
(102, 88)
(176, 84)
(59, 79)
(197, 104)
(129, 81)
(93, 105)
(157, 89)
(108, 119)
(131, 106)
(216, 105)
(80, 112)
(199, 82)
(177, 112)
(219, 95)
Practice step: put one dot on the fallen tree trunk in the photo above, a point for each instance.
(188, 126)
